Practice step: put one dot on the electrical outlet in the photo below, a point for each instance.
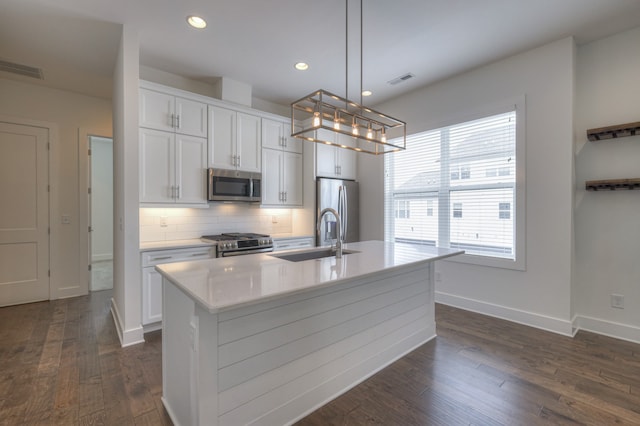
(617, 301)
(274, 219)
(66, 219)
(163, 221)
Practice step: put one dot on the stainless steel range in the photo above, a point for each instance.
(236, 244)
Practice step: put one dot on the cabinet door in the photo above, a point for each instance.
(272, 136)
(156, 110)
(191, 166)
(192, 117)
(157, 166)
(272, 177)
(346, 160)
(291, 144)
(292, 178)
(151, 296)
(326, 165)
(249, 147)
(222, 136)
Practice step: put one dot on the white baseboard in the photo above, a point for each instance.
(555, 325)
(101, 257)
(127, 337)
(607, 328)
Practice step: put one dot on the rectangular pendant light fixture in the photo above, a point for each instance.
(333, 120)
(323, 117)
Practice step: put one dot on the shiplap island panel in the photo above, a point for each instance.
(261, 340)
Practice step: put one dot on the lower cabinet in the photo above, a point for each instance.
(152, 280)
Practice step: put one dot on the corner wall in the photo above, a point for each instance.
(607, 231)
(127, 292)
(539, 296)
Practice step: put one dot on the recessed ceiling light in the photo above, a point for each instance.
(301, 66)
(367, 93)
(196, 22)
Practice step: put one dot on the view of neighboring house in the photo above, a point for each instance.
(473, 209)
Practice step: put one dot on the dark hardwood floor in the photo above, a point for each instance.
(61, 363)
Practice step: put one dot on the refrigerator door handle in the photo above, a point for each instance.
(342, 206)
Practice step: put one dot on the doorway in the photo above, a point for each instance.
(100, 212)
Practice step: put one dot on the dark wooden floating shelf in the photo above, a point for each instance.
(612, 184)
(614, 132)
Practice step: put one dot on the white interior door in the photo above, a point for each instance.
(24, 214)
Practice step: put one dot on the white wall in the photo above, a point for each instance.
(607, 230)
(69, 111)
(127, 292)
(539, 296)
(101, 199)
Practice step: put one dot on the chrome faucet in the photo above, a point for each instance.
(338, 229)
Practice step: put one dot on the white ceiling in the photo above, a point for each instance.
(257, 42)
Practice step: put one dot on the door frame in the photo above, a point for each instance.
(84, 179)
(54, 231)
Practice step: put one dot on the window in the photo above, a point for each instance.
(504, 210)
(402, 210)
(461, 181)
(457, 210)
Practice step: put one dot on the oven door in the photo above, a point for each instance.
(233, 185)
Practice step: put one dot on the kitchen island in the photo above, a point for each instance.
(263, 340)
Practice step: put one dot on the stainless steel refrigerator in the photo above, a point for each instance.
(342, 196)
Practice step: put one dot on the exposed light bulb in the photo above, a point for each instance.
(316, 119)
(383, 136)
(336, 121)
(369, 132)
(354, 129)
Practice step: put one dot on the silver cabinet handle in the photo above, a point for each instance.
(239, 162)
(173, 120)
(178, 192)
(177, 121)
(199, 254)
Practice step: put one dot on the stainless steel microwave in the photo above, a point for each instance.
(233, 185)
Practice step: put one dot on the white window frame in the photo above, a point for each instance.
(519, 206)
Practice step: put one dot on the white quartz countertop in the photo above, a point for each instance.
(231, 282)
(174, 244)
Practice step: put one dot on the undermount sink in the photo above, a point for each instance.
(310, 255)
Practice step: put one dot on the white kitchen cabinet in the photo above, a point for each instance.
(335, 162)
(152, 280)
(277, 135)
(281, 178)
(169, 113)
(172, 168)
(234, 140)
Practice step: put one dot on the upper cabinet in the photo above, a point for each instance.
(172, 168)
(173, 149)
(162, 111)
(277, 135)
(335, 162)
(234, 140)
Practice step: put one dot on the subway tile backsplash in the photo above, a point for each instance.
(165, 224)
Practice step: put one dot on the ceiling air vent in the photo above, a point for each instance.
(402, 78)
(20, 69)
